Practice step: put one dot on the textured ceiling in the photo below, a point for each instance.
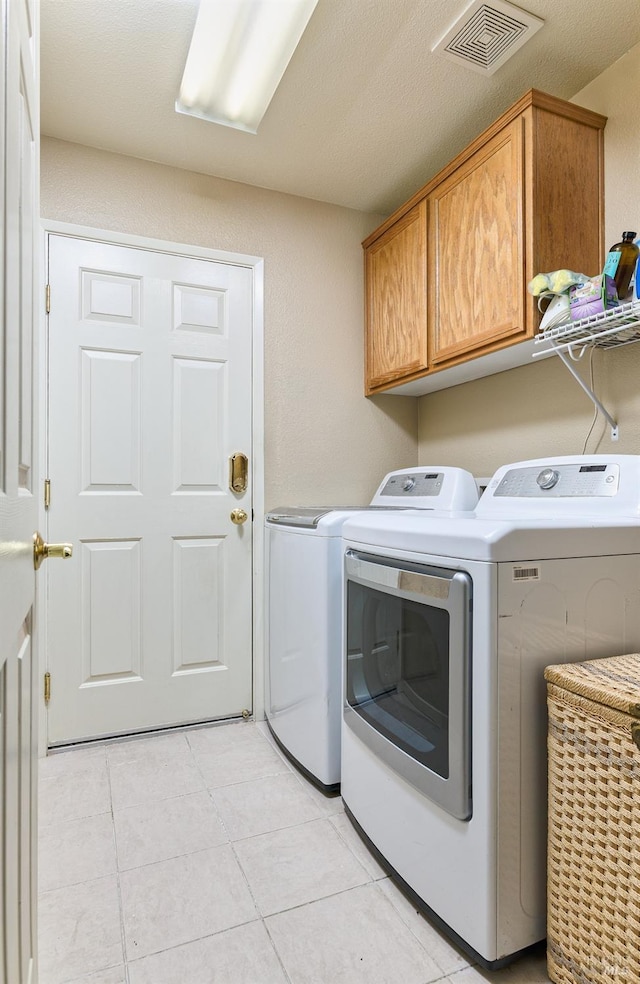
(364, 115)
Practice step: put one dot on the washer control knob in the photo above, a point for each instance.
(408, 484)
(547, 478)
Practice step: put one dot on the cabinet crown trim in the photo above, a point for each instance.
(534, 99)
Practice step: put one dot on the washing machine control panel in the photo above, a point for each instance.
(433, 487)
(547, 478)
(417, 483)
(568, 480)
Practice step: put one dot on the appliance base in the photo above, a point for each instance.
(432, 916)
(329, 789)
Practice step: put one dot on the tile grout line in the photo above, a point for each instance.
(323, 898)
(74, 980)
(304, 823)
(123, 935)
(259, 912)
(324, 818)
(277, 830)
(239, 781)
(387, 877)
(405, 923)
(197, 939)
(263, 919)
(277, 952)
(332, 818)
(209, 792)
(346, 844)
(243, 782)
(264, 779)
(260, 919)
(442, 975)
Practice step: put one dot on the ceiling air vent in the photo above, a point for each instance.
(487, 35)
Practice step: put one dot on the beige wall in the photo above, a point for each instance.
(324, 442)
(539, 409)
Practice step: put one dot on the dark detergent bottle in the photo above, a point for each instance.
(620, 263)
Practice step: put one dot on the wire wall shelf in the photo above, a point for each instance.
(618, 326)
(571, 339)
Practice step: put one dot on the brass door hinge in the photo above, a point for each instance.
(47, 295)
(47, 493)
(47, 687)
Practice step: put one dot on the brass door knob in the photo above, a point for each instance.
(238, 516)
(42, 550)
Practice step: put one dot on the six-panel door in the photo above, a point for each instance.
(149, 396)
(19, 689)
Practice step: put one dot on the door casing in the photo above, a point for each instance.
(257, 451)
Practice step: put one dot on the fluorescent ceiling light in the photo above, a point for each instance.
(238, 54)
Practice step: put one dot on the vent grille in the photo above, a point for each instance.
(487, 35)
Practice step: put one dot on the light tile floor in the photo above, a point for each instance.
(202, 857)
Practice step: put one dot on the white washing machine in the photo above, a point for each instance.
(449, 625)
(304, 612)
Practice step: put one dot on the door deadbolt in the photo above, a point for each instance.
(238, 472)
(42, 550)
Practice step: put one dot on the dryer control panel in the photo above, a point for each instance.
(604, 486)
(592, 478)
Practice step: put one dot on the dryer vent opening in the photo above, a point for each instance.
(487, 35)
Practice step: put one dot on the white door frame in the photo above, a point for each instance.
(50, 227)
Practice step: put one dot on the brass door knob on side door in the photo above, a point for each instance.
(238, 516)
(42, 550)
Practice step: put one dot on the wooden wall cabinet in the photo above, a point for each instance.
(446, 275)
(396, 300)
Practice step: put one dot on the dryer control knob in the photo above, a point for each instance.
(547, 478)
(408, 484)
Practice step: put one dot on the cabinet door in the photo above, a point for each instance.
(476, 252)
(396, 301)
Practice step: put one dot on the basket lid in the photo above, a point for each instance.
(612, 680)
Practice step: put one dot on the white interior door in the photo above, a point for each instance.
(18, 485)
(149, 396)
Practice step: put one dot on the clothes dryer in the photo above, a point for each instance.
(449, 625)
(304, 611)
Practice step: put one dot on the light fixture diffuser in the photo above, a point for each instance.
(238, 54)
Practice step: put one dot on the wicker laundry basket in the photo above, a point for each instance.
(593, 867)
